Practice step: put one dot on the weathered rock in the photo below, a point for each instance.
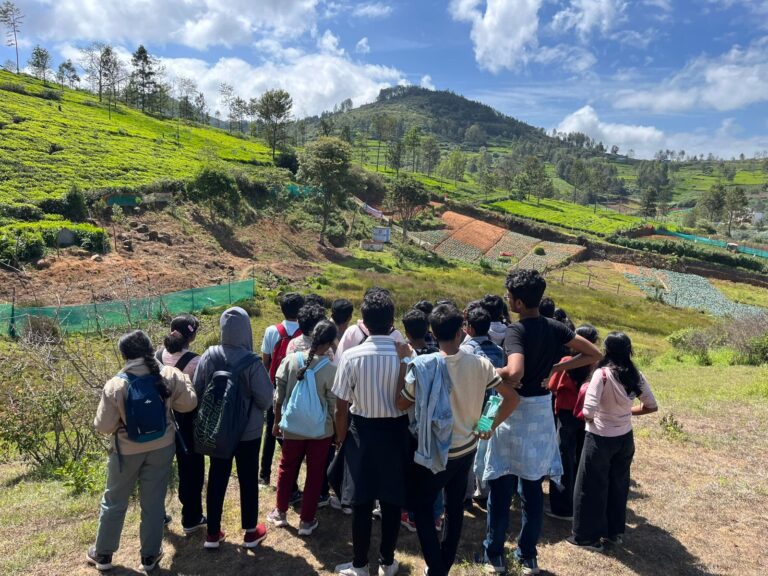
(43, 263)
(133, 224)
(142, 229)
(217, 280)
(128, 245)
(123, 236)
(97, 258)
(208, 265)
(152, 235)
(165, 239)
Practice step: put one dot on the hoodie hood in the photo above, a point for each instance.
(497, 332)
(236, 329)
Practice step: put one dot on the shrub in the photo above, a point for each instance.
(85, 475)
(289, 160)
(539, 251)
(13, 87)
(21, 211)
(54, 147)
(75, 207)
(672, 429)
(336, 234)
(18, 246)
(51, 95)
(16, 119)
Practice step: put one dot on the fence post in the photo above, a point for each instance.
(562, 277)
(95, 312)
(229, 289)
(589, 280)
(675, 300)
(193, 298)
(618, 287)
(12, 327)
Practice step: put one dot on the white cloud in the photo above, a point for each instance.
(571, 58)
(503, 34)
(641, 138)
(362, 46)
(584, 16)
(426, 82)
(731, 81)
(372, 10)
(725, 141)
(329, 44)
(663, 5)
(315, 81)
(195, 23)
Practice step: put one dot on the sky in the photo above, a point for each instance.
(643, 75)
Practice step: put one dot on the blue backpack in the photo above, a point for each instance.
(224, 408)
(146, 416)
(304, 415)
(487, 349)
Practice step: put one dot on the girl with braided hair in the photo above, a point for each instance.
(137, 460)
(292, 371)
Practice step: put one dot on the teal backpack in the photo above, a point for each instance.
(304, 415)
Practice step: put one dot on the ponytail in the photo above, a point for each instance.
(325, 332)
(618, 357)
(183, 330)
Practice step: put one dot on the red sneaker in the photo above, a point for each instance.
(406, 522)
(255, 537)
(212, 541)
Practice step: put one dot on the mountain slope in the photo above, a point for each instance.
(47, 145)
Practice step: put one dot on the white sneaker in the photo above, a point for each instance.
(390, 570)
(334, 502)
(377, 510)
(348, 569)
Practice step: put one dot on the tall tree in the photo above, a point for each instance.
(430, 151)
(395, 155)
(534, 181)
(736, 205)
(325, 165)
(507, 171)
(40, 62)
(712, 202)
(227, 95)
(454, 165)
(274, 110)
(412, 143)
(145, 74)
(201, 108)
(12, 18)
(67, 74)
(648, 201)
(407, 197)
(485, 175)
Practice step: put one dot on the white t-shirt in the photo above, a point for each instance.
(272, 336)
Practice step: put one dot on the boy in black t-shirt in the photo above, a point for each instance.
(525, 445)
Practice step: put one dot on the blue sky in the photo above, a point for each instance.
(642, 74)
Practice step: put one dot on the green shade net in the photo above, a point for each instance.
(717, 243)
(120, 313)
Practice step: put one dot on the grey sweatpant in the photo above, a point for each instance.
(152, 471)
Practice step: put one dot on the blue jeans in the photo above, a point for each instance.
(499, 500)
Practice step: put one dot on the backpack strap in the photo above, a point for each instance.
(159, 356)
(184, 361)
(323, 362)
(281, 330)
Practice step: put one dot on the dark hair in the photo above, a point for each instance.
(324, 332)
(472, 306)
(446, 301)
(495, 306)
(526, 285)
(309, 316)
(446, 321)
(588, 332)
(416, 324)
(425, 306)
(480, 321)
(562, 317)
(547, 308)
(378, 311)
(135, 345)
(290, 304)
(505, 314)
(618, 357)
(375, 289)
(183, 329)
(341, 310)
(314, 299)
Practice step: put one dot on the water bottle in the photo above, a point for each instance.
(489, 414)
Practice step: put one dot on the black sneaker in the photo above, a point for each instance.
(593, 546)
(102, 562)
(296, 497)
(149, 563)
(167, 520)
(263, 481)
(615, 540)
(195, 527)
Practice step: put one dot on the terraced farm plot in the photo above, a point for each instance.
(481, 235)
(570, 216)
(554, 255)
(689, 291)
(514, 244)
(451, 248)
(434, 237)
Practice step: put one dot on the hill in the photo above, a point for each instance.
(51, 140)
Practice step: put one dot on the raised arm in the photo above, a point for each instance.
(587, 354)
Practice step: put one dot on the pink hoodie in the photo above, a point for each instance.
(608, 408)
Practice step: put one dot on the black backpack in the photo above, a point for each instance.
(183, 362)
(223, 408)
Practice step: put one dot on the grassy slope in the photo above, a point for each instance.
(128, 150)
(710, 469)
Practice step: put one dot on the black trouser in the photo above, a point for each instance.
(247, 459)
(326, 490)
(362, 521)
(191, 471)
(268, 452)
(425, 487)
(602, 487)
(569, 428)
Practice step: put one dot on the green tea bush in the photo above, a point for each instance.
(51, 95)
(13, 87)
(20, 246)
(21, 211)
(24, 242)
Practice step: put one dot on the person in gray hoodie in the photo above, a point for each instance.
(236, 344)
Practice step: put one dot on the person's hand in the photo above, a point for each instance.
(276, 432)
(340, 440)
(404, 350)
(484, 435)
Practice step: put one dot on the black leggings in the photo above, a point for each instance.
(247, 459)
(362, 521)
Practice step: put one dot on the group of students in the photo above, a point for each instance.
(389, 422)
